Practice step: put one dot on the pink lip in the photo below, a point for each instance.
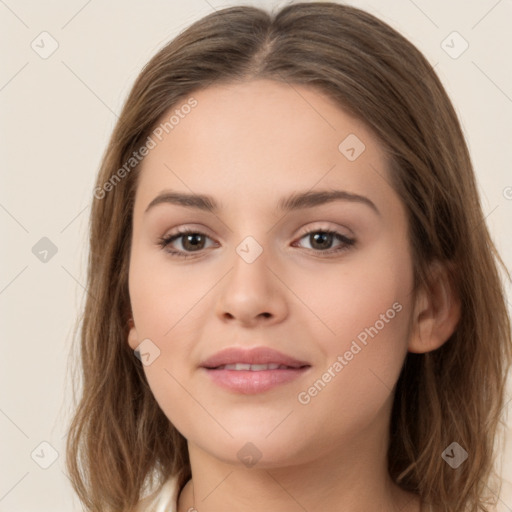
(249, 381)
(258, 355)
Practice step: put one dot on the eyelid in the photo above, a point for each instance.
(187, 228)
(325, 226)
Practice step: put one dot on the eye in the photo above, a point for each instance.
(192, 241)
(321, 241)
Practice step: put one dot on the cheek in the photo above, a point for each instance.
(168, 308)
(364, 310)
(164, 297)
(348, 298)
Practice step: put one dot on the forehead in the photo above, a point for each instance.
(258, 141)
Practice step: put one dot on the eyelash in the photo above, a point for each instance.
(164, 242)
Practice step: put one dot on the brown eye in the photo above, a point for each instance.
(322, 240)
(191, 241)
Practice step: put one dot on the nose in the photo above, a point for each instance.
(252, 294)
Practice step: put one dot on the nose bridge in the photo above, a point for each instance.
(251, 289)
(250, 273)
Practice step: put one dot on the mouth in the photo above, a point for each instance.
(252, 371)
(253, 367)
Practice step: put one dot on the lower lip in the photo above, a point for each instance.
(251, 382)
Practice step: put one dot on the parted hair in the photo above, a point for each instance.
(120, 444)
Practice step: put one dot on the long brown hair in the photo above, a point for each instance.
(120, 442)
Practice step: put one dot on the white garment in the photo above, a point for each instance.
(162, 500)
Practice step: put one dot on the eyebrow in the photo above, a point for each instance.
(296, 201)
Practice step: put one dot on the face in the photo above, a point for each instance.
(326, 283)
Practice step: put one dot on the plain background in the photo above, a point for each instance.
(56, 116)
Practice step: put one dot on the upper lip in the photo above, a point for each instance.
(258, 355)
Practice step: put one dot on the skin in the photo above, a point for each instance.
(248, 144)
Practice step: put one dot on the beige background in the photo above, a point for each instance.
(56, 115)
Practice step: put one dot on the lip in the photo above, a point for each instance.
(257, 355)
(251, 381)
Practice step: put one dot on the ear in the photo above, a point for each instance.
(436, 312)
(133, 339)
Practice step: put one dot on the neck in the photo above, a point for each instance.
(351, 476)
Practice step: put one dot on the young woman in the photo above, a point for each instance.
(294, 302)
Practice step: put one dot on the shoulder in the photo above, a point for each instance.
(162, 499)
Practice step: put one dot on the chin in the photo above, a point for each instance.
(252, 448)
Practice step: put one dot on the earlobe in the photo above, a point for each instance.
(436, 312)
(132, 335)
